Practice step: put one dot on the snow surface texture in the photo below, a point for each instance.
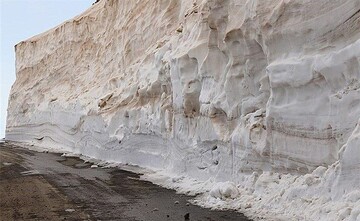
(263, 96)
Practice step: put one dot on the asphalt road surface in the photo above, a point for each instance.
(48, 186)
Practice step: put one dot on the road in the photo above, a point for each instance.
(48, 186)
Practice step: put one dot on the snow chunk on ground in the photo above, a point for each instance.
(224, 190)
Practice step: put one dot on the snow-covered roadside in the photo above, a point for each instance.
(252, 105)
(260, 195)
(271, 196)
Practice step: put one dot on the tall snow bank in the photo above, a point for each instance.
(262, 94)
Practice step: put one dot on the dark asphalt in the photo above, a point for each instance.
(48, 186)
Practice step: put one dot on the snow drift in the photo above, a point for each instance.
(262, 96)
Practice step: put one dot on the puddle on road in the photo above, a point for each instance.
(74, 162)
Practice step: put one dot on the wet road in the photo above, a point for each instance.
(47, 186)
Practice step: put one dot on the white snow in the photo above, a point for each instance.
(271, 196)
(253, 104)
(224, 190)
(30, 172)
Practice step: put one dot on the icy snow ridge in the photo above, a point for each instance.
(260, 95)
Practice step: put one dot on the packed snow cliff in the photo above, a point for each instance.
(254, 104)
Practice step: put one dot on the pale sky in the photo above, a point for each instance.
(22, 19)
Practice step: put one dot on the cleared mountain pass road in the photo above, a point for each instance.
(48, 186)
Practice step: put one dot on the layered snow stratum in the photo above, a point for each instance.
(254, 104)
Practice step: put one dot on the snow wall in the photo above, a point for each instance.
(262, 94)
